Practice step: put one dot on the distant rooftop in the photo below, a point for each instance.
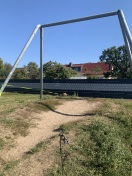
(91, 68)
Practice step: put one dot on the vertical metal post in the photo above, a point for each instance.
(41, 62)
(126, 44)
(125, 27)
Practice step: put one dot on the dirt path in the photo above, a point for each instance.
(47, 122)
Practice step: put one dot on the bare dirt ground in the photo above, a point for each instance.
(46, 124)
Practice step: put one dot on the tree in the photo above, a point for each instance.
(54, 70)
(33, 70)
(5, 68)
(1, 68)
(20, 73)
(118, 58)
(1, 64)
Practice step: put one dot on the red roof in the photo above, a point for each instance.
(95, 68)
(92, 68)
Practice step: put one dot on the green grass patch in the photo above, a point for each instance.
(102, 148)
(108, 154)
(37, 148)
(66, 128)
(10, 101)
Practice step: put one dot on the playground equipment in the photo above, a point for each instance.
(125, 32)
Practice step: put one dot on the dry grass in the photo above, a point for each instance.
(16, 110)
(9, 102)
(90, 140)
(16, 118)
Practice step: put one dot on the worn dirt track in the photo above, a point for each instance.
(46, 124)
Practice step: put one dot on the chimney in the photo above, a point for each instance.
(70, 64)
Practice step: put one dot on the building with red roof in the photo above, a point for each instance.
(91, 69)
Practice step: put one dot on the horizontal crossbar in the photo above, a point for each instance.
(79, 19)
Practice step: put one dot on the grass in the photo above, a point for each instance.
(20, 124)
(2, 174)
(37, 148)
(17, 125)
(10, 101)
(44, 105)
(15, 117)
(8, 167)
(101, 148)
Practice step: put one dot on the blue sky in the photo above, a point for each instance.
(77, 43)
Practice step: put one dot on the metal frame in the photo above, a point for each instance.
(125, 32)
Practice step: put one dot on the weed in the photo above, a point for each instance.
(37, 148)
(75, 94)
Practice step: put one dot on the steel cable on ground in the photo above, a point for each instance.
(65, 141)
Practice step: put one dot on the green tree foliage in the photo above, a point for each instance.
(1, 68)
(119, 59)
(54, 70)
(33, 70)
(20, 73)
(5, 68)
(1, 64)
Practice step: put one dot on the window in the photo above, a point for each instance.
(78, 69)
